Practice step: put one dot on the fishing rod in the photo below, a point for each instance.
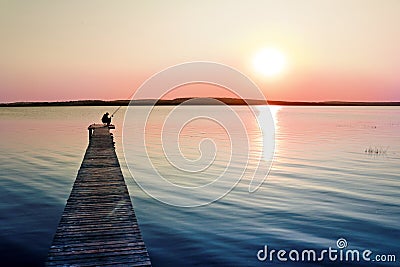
(112, 115)
(122, 105)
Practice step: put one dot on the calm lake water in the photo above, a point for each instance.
(323, 186)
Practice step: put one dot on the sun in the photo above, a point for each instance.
(269, 62)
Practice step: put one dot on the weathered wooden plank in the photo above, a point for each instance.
(92, 245)
(98, 226)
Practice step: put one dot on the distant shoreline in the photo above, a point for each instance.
(194, 101)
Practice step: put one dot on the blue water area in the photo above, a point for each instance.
(335, 175)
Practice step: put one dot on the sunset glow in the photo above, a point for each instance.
(269, 62)
(54, 51)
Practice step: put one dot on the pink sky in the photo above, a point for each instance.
(53, 51)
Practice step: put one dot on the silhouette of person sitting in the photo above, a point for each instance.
(106, 119)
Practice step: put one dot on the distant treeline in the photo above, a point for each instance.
(193, 101)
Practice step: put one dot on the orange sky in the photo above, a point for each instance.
(335, 50)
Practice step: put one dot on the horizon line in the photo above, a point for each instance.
(177, 101)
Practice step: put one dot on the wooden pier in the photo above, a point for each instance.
(99, 226)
